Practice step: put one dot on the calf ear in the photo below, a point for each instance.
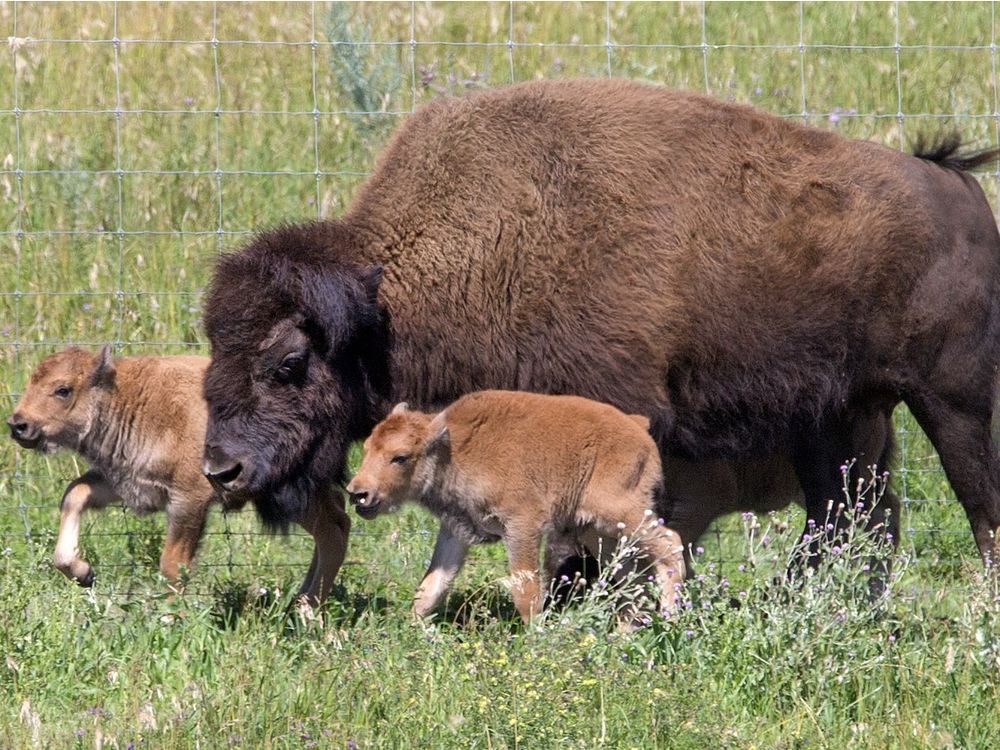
(440, 441)
(103, 374)
(401, 408)
(640, 420)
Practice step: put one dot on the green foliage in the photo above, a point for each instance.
(749, 658)
(367, 75)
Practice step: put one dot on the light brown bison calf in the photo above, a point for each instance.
(140, 423)
(516, 466)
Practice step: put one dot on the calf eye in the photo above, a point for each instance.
(62, 392)
(402, 458)
(292, 367)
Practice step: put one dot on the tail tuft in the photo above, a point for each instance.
(944, 150)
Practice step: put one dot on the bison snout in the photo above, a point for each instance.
(365, 502)
(222, 470)
(25, 433)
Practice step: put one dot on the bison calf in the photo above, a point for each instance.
(516, 466)
(140, 423)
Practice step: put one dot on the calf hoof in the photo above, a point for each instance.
(87, 579)
(75, 569)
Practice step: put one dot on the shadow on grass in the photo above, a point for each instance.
(234, 600)
(479, 608)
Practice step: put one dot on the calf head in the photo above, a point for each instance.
(399, 461)
(61, 401)
(293, 331)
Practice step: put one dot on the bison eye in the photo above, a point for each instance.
(62, 392)
(402, 458)
(292, 367)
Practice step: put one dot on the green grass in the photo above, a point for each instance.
(224, 665)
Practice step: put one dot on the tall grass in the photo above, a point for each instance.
(226, 665)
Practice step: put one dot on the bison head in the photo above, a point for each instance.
(400, 458)
(63, 395)
(296, 338)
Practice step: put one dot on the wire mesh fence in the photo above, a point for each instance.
(138, 142)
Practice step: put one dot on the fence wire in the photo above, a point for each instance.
(139, 141)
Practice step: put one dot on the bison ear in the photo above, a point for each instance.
(103, 374)
(371, 279)
(440, 441)
(340, 302)
(401, 408)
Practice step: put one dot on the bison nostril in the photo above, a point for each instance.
(220, 468)
(225, 475)
(358, 497)
(18, 427)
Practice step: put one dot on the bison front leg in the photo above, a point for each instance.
(858, 442)
(90, 490)
(328, 523)
(446, 562)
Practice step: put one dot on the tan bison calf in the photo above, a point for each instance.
(516, 466)
(140, 423)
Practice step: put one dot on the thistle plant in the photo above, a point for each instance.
(368, 75)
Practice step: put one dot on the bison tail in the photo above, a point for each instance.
(945, 150)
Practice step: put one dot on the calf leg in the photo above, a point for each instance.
(447, 560)
(329, 525)
(603, 544)
(662, 547)
(185, 525)
(526, 588)
(91, 490)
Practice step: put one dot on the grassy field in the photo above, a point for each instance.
(127, 167)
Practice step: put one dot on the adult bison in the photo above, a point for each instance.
(761, 290)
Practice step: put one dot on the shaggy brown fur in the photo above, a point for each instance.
(756, 287)
(140, 423)
(519, 466)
